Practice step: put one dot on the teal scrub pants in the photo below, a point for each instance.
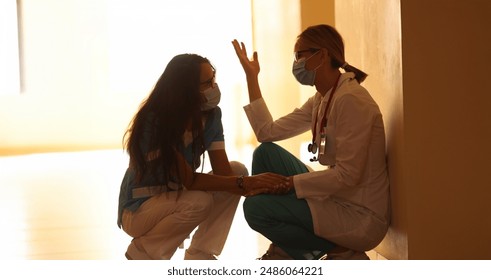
(284, 219)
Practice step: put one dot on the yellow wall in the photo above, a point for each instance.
(427, 63)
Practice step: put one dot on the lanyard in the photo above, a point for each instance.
(324, 118)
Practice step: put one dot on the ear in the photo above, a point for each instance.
(326, 56)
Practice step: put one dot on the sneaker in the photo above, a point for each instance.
(346, 255)
(136, 253)
(275, 253)
(198, 255)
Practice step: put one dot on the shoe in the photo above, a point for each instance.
(198, 255)
(275, 253)
(346, 255)
(135, 253)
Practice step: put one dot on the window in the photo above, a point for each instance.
(9, 48)
(144, 35)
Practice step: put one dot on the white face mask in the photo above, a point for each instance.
(212, 96)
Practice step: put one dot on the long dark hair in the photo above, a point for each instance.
(156, 131)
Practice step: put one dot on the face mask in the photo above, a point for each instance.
(212, 96)
(303, 76)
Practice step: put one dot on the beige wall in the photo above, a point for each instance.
(373, 44)
(315, 12)
(435, 102)
(447, 120)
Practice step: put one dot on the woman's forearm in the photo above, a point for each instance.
(253, 88)
(208, 182)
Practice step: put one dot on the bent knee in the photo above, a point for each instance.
(239, 168)
(253, 205)
(198, 202)
(265, 148)
(256, 212)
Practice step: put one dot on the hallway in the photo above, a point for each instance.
(63, 206)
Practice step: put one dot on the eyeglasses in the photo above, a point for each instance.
(208, 83)
(297, 54)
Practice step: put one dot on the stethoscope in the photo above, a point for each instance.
(312, 147)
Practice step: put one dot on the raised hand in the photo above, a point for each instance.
(251, 67)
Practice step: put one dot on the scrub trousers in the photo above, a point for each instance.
(164, 221)
(284, 219)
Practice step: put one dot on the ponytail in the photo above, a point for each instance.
(360, 76)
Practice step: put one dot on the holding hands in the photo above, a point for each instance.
(266, 183)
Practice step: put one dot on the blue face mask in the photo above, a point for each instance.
(212, 96)
(304, 76)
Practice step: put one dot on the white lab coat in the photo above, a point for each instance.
(349, 202)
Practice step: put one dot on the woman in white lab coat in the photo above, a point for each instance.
(343, 210)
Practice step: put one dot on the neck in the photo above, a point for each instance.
(327, 81)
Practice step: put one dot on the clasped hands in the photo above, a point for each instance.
(267, 183)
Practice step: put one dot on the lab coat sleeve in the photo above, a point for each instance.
(268, 130)
(353, 120)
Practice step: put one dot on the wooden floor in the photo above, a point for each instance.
(63, 206)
